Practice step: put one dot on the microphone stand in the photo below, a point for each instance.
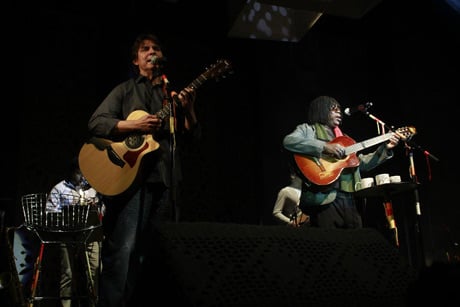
(410, 145)
(172, 150)
(387, 204)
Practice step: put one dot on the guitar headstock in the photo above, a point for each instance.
(406, 133)
(218, 69)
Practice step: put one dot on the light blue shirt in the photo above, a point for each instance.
(66, 194)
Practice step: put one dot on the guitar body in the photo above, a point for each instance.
(325, 170)
(112, 167)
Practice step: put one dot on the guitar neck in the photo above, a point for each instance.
(213, 72)
(368, 143)
(198, 81)
(166, 110)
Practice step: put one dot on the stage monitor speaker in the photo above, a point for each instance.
(213, 264)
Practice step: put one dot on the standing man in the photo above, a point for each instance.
(170, 118)
(331, 205)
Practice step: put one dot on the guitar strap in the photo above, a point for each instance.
(169, 99)
(164, 88)
(321, 132)
(337, 131)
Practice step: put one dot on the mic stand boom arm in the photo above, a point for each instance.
(424, 151)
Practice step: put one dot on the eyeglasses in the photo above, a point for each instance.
(335, 109)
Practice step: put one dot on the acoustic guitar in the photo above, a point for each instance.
(112, 167)
(326, 169)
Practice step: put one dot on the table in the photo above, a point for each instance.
(386, 192)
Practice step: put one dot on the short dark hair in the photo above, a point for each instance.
(137, 44)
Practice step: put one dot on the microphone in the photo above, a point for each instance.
(157, 60)
(361, 107)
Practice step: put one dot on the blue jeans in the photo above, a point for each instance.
(127, 227)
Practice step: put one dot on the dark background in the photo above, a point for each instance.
(401, 55)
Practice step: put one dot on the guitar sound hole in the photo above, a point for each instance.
(134, 141)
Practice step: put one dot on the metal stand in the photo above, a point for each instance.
(410, 145)
(387, 204)
(172, 148)
(65, 228)
(79, 239)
